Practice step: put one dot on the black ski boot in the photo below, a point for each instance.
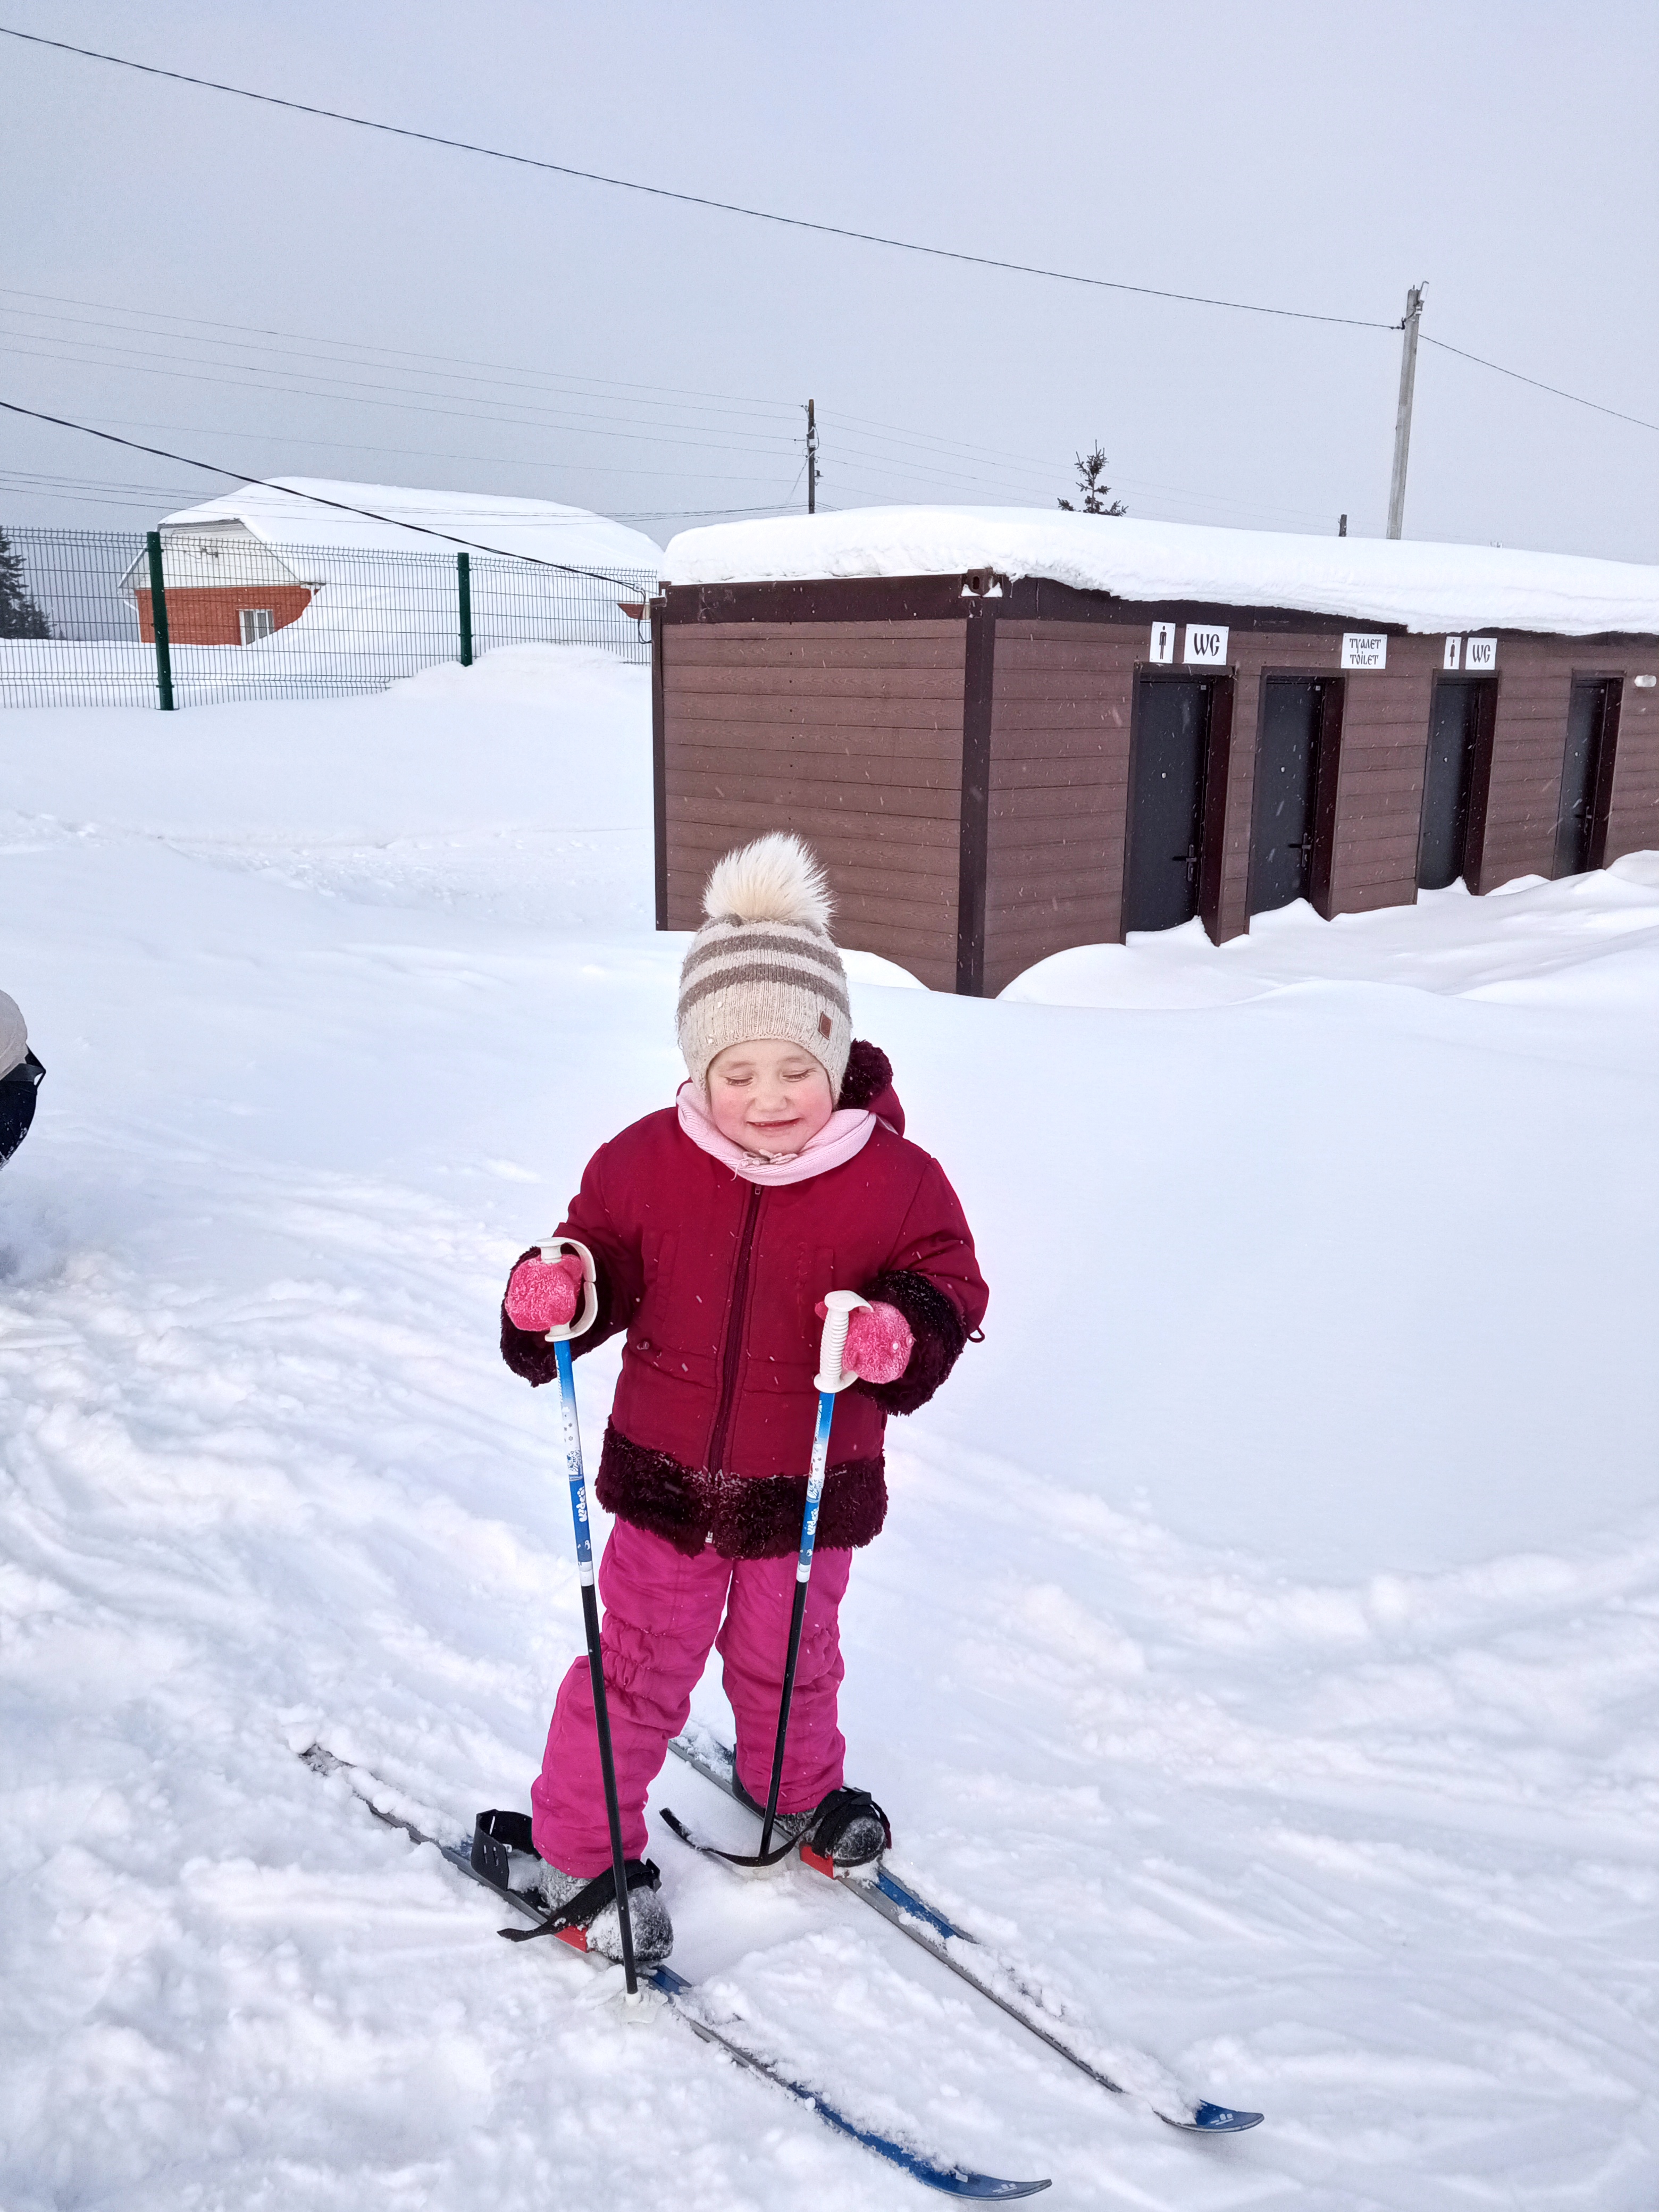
(848, 1829)
(580, 1913)
(589, 1921)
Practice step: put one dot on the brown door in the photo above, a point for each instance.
(1581, 822)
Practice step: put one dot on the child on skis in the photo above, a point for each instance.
(717, 1226)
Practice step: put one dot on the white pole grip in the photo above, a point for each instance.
(588, 1312)
(840, 1306)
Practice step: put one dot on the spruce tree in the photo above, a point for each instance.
(18, 615)
(1096, 496)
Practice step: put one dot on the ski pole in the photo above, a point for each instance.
(840, 1307)
(559, 1338)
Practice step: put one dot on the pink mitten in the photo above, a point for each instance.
(878, 1344)
(541, 1295)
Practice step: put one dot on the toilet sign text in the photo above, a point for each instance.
(1480, 654)
(1206, 645)
(1364, 649)
(1162, 647)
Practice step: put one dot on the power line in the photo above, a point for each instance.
(954, 461)
(791, 222)
(759, 437)
(289, 441)
(313, 498)
(528, 415)
(586, 387)
(1537, 383)
(696, 199)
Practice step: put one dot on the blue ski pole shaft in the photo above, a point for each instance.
(840, 1304)
(573, 1460)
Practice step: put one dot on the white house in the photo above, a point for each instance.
(238, 567)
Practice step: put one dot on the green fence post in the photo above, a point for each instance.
(158, 618)
(463, 580)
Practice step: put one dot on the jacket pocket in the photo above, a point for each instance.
(660, 1250)
(660, 1338)
(790, 1361)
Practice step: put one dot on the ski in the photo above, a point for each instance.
(905, 1909)
(681, 1997)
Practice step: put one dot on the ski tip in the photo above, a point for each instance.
(985, 2188)
(955, 2180)
(1221, 2120)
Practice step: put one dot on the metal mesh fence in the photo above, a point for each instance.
(83, 623)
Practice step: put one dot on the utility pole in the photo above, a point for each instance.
(1402, 420)
(811, 457)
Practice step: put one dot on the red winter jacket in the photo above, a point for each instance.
(715, 1280)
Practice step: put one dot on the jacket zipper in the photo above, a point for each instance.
(734, 1333)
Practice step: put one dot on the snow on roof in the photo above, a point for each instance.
(1421, 586)
(291, 511)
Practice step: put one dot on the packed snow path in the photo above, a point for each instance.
(1264, 1641)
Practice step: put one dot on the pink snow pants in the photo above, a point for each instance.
(662, 1611)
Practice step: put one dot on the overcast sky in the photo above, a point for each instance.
(443, 320)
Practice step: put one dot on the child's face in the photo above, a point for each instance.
(768, 1096)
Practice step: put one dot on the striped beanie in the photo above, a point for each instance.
(763, 965)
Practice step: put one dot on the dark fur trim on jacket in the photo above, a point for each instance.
(937, 1327)
(869, 1072)
(749, 1517)
(528, 1354)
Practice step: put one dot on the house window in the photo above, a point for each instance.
(257, 623)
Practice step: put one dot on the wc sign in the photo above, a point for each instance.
(1162, 645)
(1205, 646)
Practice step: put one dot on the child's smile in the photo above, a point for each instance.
(768, 1096)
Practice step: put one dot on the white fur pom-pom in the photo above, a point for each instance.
(777, 878)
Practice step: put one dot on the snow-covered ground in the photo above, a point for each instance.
(1264, 1642)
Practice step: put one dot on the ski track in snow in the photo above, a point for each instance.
(1281, 1727)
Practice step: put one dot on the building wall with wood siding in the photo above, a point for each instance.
(1534, 684)
(1633, 817)
(1379, 793)
(1061, 694)
(854, 732)
(849, 733)
(1257, 654)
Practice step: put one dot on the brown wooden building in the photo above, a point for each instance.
(995, 766)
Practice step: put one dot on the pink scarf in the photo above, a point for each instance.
(842, 1137)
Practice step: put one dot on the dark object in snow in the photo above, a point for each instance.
(683, 1999)
(906, 1909)
(19, 1087)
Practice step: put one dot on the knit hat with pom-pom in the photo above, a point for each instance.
(763, 965)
